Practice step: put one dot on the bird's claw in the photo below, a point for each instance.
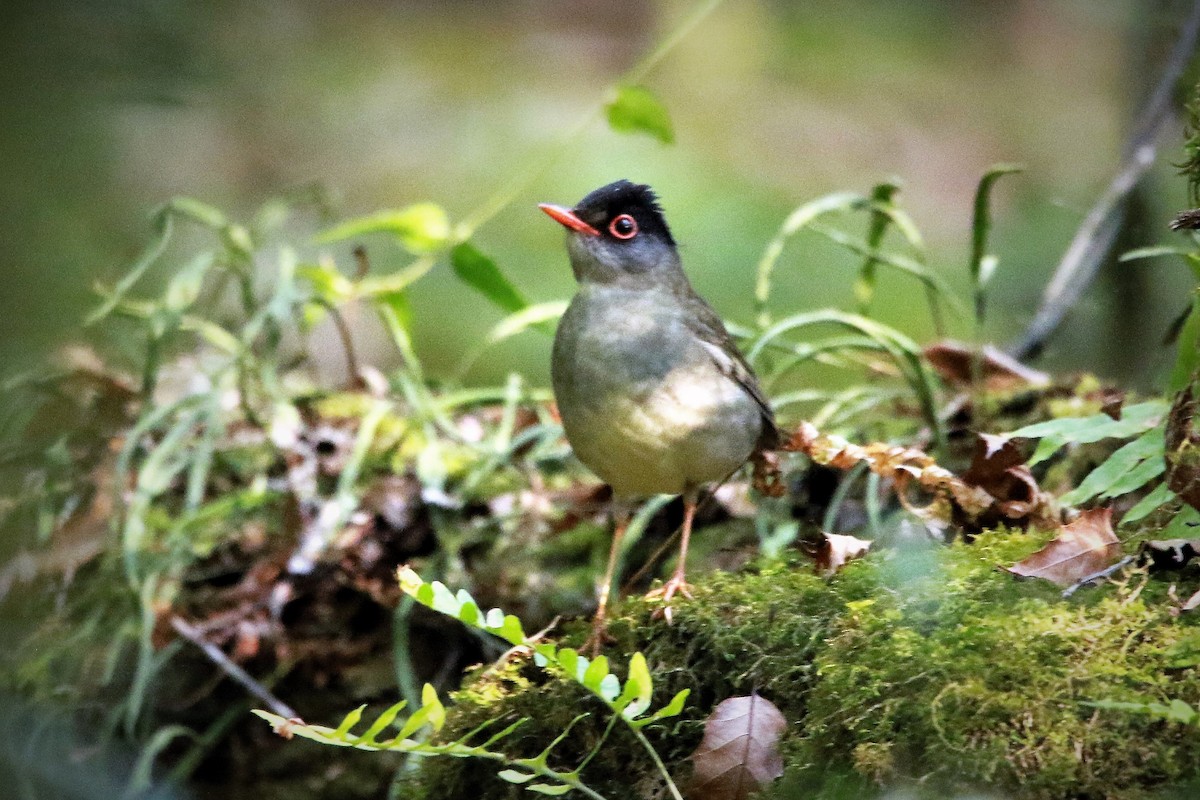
(676, 585)
(598, 637)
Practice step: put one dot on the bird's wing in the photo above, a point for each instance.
(710, 331)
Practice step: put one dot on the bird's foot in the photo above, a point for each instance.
(598, 638)
(676, 585)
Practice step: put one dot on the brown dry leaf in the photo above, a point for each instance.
(768, 477)
(1082, 548)
(949, 497)
(1112, 403)
(1183, 448)
(740, 750)
(998, 467)
(833, 550)
(956, 364)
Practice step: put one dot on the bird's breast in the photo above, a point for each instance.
(643, 403)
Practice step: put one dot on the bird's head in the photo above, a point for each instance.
(617, 234)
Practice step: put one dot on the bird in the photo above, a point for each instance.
(653, 393)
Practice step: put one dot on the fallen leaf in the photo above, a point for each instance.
(998, 467)
(958, 364)
(1183, 448)
(1082, 548)
(833, 550)
(768, 477)
(740, 750)
(934, 493)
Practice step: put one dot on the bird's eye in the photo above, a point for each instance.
(623, 227)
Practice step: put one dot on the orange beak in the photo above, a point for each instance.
(566, 217)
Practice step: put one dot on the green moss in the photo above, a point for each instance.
(921, 667)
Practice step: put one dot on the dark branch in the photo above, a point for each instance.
(215, 655)
(1095, 236)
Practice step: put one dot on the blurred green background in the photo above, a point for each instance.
(111, 107)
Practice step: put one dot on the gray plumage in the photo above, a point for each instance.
(653, 393)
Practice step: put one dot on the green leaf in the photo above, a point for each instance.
(983, 264)
(197, 211)
(671, 709)
(554, 790)
(609, 688)
(512, 776)
(1184, 653)
(1134, 420)
(1123, 471)
(468, 613)
(1137, 477)
(864, 285)
(1187, 359)
(981, 217)
(155, 249)
(382, 721)
(348, 722)
(568, 659)
(327, 281)
(798, 219)
(511, 631)
(596, 672)
(639, 686)
(1148, 504)
(483, 275)
(1154, 251)
(431, 713)
(184, 286)
(421, 228)
(444, 600)
(540, 316)
(636, 110)
(1179, 711)
(1181, 525)
(543, 654)
(398, 281)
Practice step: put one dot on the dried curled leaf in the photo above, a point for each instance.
(833, 550)
(959, 365)
(1082, 548)
(951, 498)
(740, 750)
(998, 468)
(767, 477)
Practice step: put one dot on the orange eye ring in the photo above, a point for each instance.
(623, 227)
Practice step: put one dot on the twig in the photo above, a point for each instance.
(1095, 236)
(525, 649)
(215, 655)
(339, 321)
(1095, 576)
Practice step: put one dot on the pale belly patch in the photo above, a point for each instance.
(694, 426)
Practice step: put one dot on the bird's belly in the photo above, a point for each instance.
(646, 434)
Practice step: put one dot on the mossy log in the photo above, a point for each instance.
(923, 668)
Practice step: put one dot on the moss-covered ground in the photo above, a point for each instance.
(927, 669)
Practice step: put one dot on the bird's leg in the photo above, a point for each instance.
(677, 584)
(599, 635)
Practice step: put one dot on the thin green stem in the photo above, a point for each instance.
(608, 729)
(662, 768)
